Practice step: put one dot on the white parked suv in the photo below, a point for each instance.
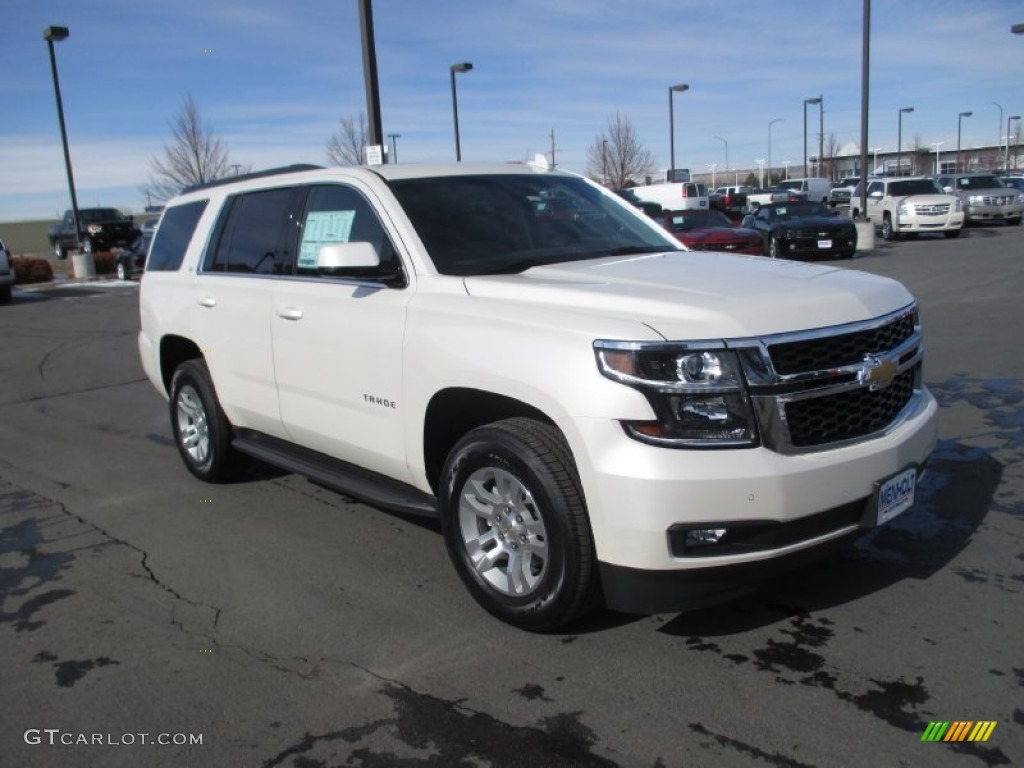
(592, 412)
(909, 206)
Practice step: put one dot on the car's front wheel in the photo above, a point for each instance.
(773, 247)
(122, 270)
(515, 524)
(88, 246)
(952, 233)
(59, 251)
(201, 430)
(888, 233)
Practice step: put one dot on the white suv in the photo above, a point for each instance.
(592, 412)
(909, 206)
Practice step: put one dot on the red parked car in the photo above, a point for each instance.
(712, 231)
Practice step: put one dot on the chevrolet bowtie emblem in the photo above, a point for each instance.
(877, 372)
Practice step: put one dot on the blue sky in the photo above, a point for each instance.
(273, 77)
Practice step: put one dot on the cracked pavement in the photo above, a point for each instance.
(291, 626)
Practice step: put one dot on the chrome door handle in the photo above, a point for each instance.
(290, 313)
(207, 301)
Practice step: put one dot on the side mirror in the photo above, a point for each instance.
(334, 257)
(948, 190)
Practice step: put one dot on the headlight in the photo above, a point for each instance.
(697, 392)
(976, 199)
(903, 209)
(94, 229)
(959, 205)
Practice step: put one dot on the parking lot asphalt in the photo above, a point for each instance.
(274, 623)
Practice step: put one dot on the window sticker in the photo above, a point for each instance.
(323, 227)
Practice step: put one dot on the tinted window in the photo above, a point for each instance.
(176, 228)
(339, 214)
(253, 236)
(488, 224)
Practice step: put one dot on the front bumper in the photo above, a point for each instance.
(637, 494)
(977, 212)
(918, 223)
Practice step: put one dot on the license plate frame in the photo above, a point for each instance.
(891, 497)
(824, 244)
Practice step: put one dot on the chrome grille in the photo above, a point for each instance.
(997, 199)
(937, 209)
(834, 386)
(843, 349)
(847, 415)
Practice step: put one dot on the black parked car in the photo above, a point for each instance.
(807, 229)
(654, 210)
(131, 260)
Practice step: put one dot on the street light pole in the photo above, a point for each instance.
(770, 123)
(50, 34)
(821, 133)
(464, 66)
(394, 146)
(999, 136)
(899, 140)
(959, 123)
(815, 100)
(727, 149)
(672, 129)
(1008, 135)
(937, 144)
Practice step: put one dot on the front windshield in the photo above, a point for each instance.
(489, 224)
(979, 182)
(799, 210)
(914, 187)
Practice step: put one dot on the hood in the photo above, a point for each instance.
(701, 295)
(935, 199)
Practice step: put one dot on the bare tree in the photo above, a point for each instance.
(347, 146)
(616, 157)
(196, 155)
(831, 150)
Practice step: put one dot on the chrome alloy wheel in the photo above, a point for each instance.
(503, 531)
(193, 428)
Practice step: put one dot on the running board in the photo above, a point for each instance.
(338, 475)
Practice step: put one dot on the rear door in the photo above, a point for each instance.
(235, 289)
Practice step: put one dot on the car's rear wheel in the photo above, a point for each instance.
(201, 430)
(515, 524)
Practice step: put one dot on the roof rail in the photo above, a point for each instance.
(255, 175)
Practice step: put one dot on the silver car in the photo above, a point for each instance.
(985, 197)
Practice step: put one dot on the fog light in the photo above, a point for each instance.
(702, 537)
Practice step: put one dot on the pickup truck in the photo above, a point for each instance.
(99, 229)
(595, 415)
(732, 201)
(758, 197)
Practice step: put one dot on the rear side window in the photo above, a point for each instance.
(253, 235)
(172, 239)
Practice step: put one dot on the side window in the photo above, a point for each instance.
(173, 236)
(253, 236)
(875, 186)
(339, 214)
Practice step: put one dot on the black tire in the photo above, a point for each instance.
(122, 270)
(855, 214)
(888, 233)
(773, 247)
(59, 252)
(88, 246)
(5, 294)
(952, 233)
(202, 432)
(511, 497)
